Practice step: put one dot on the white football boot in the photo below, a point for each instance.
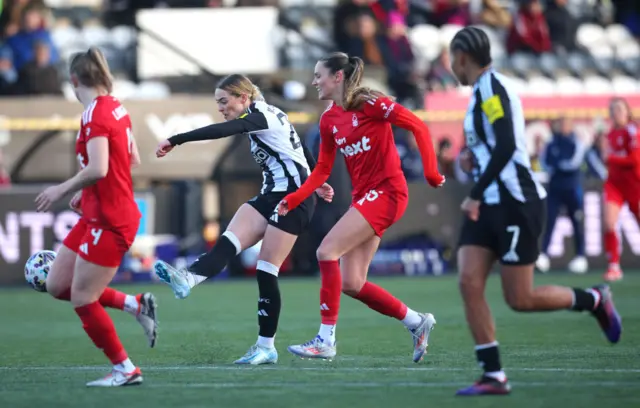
(420, 336)
(177, 279)
(258, 355)
(147, 317)
(118, 378)
(315, 348)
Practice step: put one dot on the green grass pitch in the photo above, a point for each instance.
(552, 359)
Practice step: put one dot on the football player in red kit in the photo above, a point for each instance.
(623, 181)
(110, 218)
(358, 124)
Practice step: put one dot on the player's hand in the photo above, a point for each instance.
(436, 180)
(283, 208)
(74, 204)
(466, 160)
(325, 192)
(49, 196)
(471, 207)
(163, 148)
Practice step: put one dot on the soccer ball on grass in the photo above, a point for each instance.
(37, 268)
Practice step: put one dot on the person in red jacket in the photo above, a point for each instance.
(358, 124)
(529, 32)
(623, 181)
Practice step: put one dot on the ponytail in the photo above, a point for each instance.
(91, 69)
(353, 69)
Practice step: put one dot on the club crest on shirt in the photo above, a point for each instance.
(354, 120)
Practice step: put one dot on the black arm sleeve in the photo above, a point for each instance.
(505, 144)
(307, 155)
(248, 122)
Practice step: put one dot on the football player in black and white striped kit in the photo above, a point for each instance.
(286, 164)
(504, 214)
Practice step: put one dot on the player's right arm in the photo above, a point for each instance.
(246, 123)
(318, 176)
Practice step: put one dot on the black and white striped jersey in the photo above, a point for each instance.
(275, 145)
(277, 148)
(494, 130)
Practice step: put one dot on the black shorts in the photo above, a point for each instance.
(512, 231)
(295, 222)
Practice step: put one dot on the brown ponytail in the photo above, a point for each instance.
(91, 69)
(353, 69)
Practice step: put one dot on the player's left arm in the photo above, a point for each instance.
(497, 108)
(387, 110)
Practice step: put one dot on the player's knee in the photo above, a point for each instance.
(351, 286)
(519, 302)
(326, 252)
(470, 285)
(82, 297)
(56, 288)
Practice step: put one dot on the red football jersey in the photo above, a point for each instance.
(109, 202)
(365, 139)
(623, 156)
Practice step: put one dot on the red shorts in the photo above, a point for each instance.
(629, 194)
(98, 245)
(382, 207)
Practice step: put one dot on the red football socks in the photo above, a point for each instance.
(381, 301)
(612, 247)
(330, 291)
(110, 298)
(100, 329)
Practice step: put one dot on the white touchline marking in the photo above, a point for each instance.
(326, 368)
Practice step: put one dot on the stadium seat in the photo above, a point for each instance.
(123, 37)
(426, 40)
(579, 64)
(519, 85)
(617, 34)
(603, 58)
(550, 64)
(523, 64)
(124, 89)
(67, 37)
(96, 36)
(591, 35)
(568, 85)
(628, 57)
(597, 85)
(624, 85)
(447, 32)
(151, 90)
(541, 86)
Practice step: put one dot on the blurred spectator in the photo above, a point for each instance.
(5, 180)
(368, 41)
(562, 25)
(123, 12)
(410, 158)
(490, 12)
(627, 12)
(446, 158)
(392, 50)
(39, 76)
(8, 74)
(11, 17)
(530, 32)
(23, 42)
(538, 148)
(345, 25)
(595, 165)
(451, 12)
(440, 77)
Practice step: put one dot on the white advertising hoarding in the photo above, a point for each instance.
(224, 41)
